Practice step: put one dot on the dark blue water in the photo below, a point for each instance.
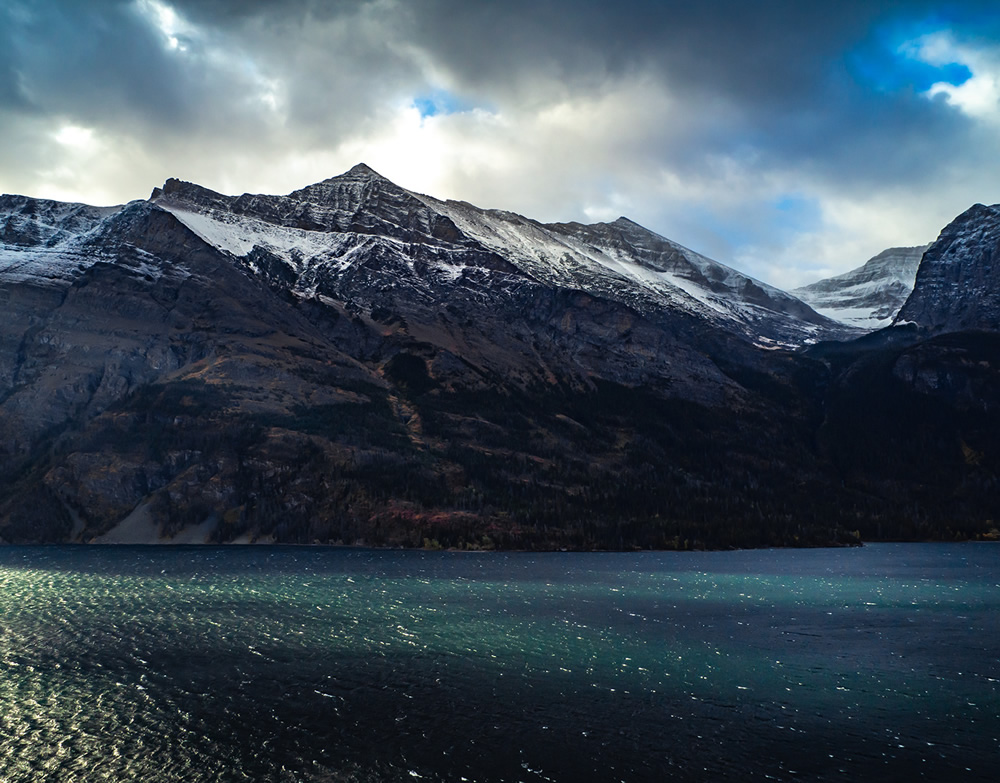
(296, 664)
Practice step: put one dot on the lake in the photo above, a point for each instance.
(308, 664)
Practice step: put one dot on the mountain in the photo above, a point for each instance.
(870, 296)
(357, 363)
(958, 282)
(364, 214)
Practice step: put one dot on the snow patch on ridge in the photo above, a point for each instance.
(239, 235)
(563, 260)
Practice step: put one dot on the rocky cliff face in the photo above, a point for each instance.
(354, 362)
(870, 296)
(958, 282)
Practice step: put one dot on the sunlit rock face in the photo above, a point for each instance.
(354, 362)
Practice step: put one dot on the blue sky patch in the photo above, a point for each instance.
(884, 62)
(794, 212)
(436, 102)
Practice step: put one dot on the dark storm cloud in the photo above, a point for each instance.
(11, 94)
(91, 59)
(11, 91)
(779, 67)
(105, 63)
(227, 12)
(781, 70)
(773, 81)
(766, 53)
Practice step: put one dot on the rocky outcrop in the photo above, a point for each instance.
(958, 282)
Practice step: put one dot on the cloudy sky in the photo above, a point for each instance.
(791, 140)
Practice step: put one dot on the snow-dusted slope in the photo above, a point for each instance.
(351, 235)
(46, 241)
(321, 232)
(869, 296)
(628, 263)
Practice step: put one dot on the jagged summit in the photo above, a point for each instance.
(361, 174)
(358, 201)
(354, 189)
(178, 189)
(181, 190)
(624, 221)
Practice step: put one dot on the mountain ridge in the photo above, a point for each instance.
(659, 274)
(357, 363)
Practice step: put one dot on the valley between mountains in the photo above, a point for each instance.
(355, 363)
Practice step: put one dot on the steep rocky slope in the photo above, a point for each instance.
(958, 282)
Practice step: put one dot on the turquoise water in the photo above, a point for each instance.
(301, 664)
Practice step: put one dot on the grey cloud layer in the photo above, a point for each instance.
(766, 79)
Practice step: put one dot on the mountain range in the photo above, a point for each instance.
(357, 363)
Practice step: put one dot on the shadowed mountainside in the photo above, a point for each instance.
(356, 363)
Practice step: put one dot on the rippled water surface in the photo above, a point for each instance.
(295, 664)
